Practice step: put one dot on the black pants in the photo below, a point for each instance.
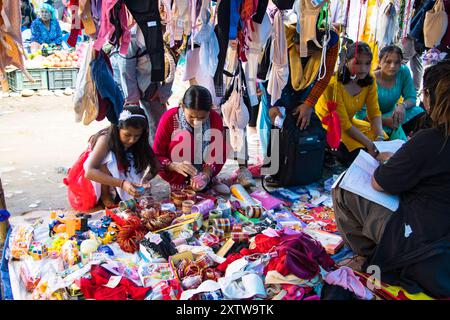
(344, 156)
(222, 29)
(146, 14)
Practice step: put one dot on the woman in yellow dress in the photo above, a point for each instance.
(353, 88)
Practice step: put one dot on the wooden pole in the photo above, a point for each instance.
(4, 225)
(2, 196)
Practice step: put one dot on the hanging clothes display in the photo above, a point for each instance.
(387, 24)
(146, 14)
(11, 49)
(307, 23)
(435, 25)
(113, 11)
(279, 69)
(356, 20)
(259, 38)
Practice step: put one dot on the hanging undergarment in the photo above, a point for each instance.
(308, 22)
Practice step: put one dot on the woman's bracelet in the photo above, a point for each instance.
(405, 105)
(121, 184)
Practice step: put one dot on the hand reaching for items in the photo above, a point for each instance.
(200, 181)
(303, 113)
(184, 168)
(131, 189)
(273, 113)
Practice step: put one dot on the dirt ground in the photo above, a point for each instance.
(39, 141)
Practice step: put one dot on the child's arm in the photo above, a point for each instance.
(94, 173)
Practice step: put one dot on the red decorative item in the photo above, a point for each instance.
(334, 125)
(130, 234)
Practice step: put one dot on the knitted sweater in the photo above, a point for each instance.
(167, 138)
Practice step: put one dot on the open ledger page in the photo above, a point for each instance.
(358, 179)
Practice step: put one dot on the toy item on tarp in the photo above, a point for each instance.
(55, 247)
(70, 224)
(38, 250)
(30, 273)
(20, 240)
(86, 248)
(153, 273)
(70, 253)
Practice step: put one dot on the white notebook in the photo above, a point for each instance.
(358, 179)
(389, 146)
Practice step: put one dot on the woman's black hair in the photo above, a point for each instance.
(390, 49)
(197, 98)
(432, 76)
(344, 75)
(142, 152)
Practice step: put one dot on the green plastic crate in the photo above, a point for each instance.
(61, 78)
(17, 81)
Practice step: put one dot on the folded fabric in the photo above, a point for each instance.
(207, 286)
(300, 255)
(166, 290)
(95, 288)
(242, 285)
(279, 69)
(107, 88)
(274, 277)
(345, 277)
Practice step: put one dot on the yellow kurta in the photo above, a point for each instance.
(347, 107)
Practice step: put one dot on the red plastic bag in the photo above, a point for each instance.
(80, 191)
(334, 125)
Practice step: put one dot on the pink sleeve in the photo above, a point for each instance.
(126, 36)
(106, 28)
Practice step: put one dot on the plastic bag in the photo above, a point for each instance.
(80, 191)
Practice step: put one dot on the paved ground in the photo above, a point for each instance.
(38, 140)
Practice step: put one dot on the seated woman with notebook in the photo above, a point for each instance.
(412, 245)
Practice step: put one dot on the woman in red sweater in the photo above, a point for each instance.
(189, 143)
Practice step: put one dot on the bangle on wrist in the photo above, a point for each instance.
(121, 184)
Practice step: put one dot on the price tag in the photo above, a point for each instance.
(113, 282)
